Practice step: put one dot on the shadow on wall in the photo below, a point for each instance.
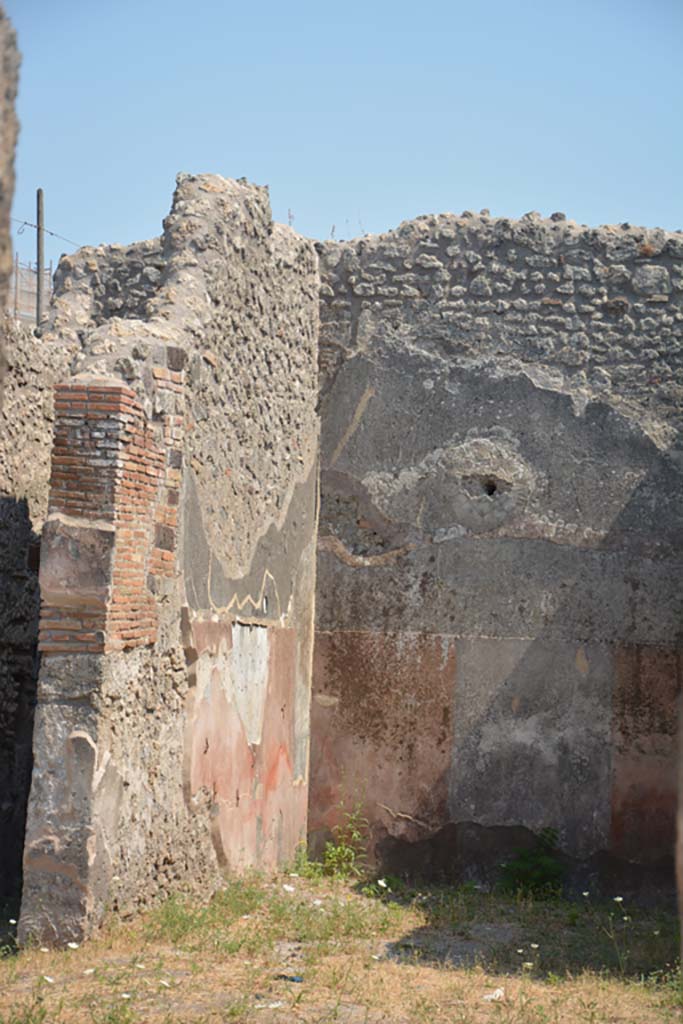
(19, 607)
(577, 734)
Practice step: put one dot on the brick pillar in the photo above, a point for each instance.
(98, 542)
(108, 544)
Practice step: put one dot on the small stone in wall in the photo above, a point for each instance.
(651, 280)
(480, 286)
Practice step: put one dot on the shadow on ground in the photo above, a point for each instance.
(548, 938)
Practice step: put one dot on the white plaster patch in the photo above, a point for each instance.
(326, 700)
(249, 676)
(446, 492)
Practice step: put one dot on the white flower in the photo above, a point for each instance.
(289, 888)
(12, 920)
(48, 979)
(125, 995)
(585, 894)
(527, 965)
(626, 918)
(382, 883)
(89, 970)
(72, 945)
(496, 996)
(534, 945)
(618, 899)
(656, 933)
(520, 951)
(44, 949)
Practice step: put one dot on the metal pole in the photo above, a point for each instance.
(41, 256)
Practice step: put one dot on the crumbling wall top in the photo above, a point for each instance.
(596, 312)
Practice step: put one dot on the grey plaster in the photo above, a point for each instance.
(532, 738)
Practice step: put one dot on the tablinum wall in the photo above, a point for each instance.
(499, 605)
(498, 639)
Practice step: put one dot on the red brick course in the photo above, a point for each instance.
(109, 468)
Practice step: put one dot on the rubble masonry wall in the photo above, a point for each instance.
(177, 570)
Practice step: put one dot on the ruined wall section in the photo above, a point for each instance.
(9, 129)
(27, 414)
(500, 532)
(96, 284)
(189, 739)
(601, 307)
(249, 522)
(26, 417)
(264, 327)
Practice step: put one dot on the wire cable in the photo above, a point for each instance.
(28, 224)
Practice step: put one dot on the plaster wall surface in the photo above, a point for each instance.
(172, 745)
(500, 533)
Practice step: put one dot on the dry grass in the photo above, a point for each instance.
(365, 956)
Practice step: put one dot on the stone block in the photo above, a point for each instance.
(76, 564)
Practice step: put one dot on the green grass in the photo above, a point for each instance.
(32, 1011)
(182, 919)
(273, 915)
(368, 950)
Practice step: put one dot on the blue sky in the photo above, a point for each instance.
(357, 115)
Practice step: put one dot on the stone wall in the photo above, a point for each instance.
(26, 418)
(177, 574)
(97, 284)
(9, 128)
(500, 535)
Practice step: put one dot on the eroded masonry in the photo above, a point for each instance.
(494, 492)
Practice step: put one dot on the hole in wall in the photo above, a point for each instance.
(489, 486)
(33, 557)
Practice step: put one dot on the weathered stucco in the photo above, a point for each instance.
(171, 735)
(501, 483)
